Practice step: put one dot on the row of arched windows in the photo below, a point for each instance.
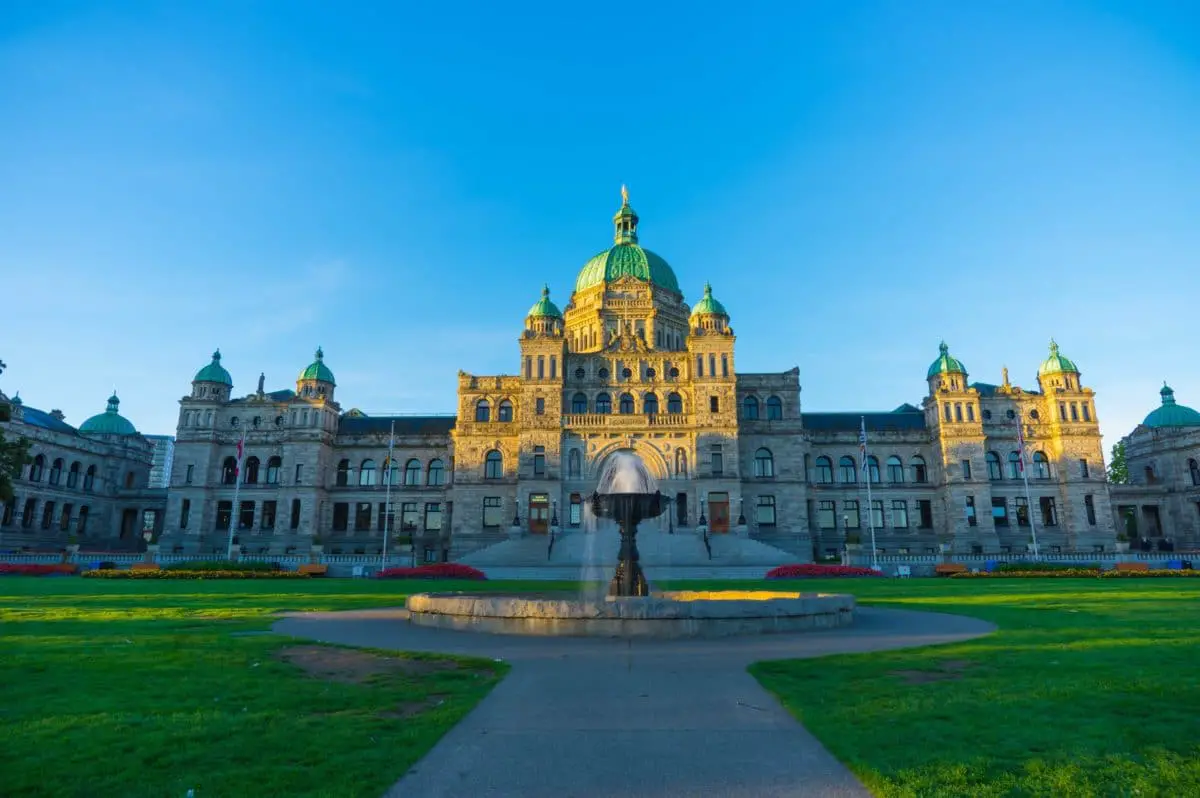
(848, 470)
(413, 473)
(751, 407)
(626, 405)
(483, 410)
(37, 471)
(1041, 466)
(251, 471)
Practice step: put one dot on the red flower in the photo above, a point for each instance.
(442, 570)
(806, 570)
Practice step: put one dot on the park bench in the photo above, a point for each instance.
(144, 566)
(1133, 566)
(313, 569)
(947, 568)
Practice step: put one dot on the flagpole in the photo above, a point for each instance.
(870, 503)
(237, 484)
(1028, 496)
(387, 500)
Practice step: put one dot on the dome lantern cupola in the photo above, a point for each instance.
(544, 317)
(626, 221)
(212, 381)
(316, 381)
(626, 258)
(1058, 372)
(1170, 414)
(110, 422)
(709, 314)
(947, 372)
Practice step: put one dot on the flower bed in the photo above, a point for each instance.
(808, 570)
(31, 569)
(1025, 567)
(175, 574)
(442, 570)
(1076, 573)
(223, 565)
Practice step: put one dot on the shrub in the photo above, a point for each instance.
(1047, 574)
(1025, 567)
(32, 569)
(1158, 573)
(806, 570)
(223, 565)
(442, 570)
(164, 574)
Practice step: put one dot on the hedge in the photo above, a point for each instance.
(223, 565)
(173, 574)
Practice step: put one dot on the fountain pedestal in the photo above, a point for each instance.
(627, 509)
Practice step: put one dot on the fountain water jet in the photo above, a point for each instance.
(628, 495)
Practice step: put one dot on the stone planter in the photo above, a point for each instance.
(1122, 547)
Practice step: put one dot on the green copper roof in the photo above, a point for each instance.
(214, 372)
(626, 258)
(1171, 414)
(708, 304)
(544, 307)
(1056, 362)
(317, 370)
(110, 422)
(945, 364)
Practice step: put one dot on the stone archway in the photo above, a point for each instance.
(653, 459)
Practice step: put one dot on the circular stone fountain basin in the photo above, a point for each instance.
(661, 615)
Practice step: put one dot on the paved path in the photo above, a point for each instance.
(594, 718)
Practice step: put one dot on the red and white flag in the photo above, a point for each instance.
(241, 450)
(1020, 446)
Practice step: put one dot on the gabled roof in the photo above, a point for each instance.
(405, 425)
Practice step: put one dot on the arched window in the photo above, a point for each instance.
(681, 463)
(343, 473)
(128, 479)
(89, 478)
(273, 466)
(674, 403)
(824, 473)
(1014, 465)
(505, 412)
(483, 410)
(895, 469)
(437, 473)
(56, 471)
(626, 406)
(764, 463)
(1041, 466)
(919, 472)
(37, 469)
(579, 403)
(229, 471)
(603, 403)
(847, 471)
(873, 469)
(366, 474)
(750, 408)
(73, 475)
(993, 465)
(412, 472)
(251, 471)
(650, 404)
(774, 408)
(493, 465)
(574, 464)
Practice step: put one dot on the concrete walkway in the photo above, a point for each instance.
(593, 718)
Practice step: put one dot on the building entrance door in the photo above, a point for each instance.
(681, 509)
(718, 512)
(539, 513)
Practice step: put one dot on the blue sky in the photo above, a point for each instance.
(857, 181)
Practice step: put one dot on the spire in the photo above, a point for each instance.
(1168, 396)
(217, 356)
(626, 221)
(1053, 348)
(113, 402)
(319, 354)
(945, 350)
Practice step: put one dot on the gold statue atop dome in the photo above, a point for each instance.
(624, 194)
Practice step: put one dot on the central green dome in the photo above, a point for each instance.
(626, 258)
(1171, 414)
(110, 422)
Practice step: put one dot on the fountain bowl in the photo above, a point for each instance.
(662, 615)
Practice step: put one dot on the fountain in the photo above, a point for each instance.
(628, 495)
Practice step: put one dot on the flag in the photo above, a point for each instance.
(862, 444)
(241, 450)
(1020, 446)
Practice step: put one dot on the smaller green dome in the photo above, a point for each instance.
(317, 370)
(1056, 363)
(214, 372)
(110, 422)
(544, 307)
(1171, 414)
(945, 364)
(708, 305)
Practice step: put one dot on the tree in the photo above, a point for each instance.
(1118, 469)
(12, 455)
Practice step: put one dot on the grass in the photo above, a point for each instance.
(147, 688)
(1089, 688)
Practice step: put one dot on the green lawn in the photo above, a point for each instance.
(1090, 688)
(147, 688)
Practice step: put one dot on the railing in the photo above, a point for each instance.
(625, 420)
(550, 545)
(707, 542)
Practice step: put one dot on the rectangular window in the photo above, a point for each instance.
(1074, 411)
(362, 516)
(268, 515)
(381, 516)
(295, 520)
(724, 365)
(539, 465)
(999, 511)
(553, 367)
(1022, 511)
(433, 514)
(408, 517)
(1087, 413)
(958, 416)
(714, 404)
(539, 406)
(1062, 411)
(850, 514)
(185, 510)
(971, 519)
(64, 522)
(970, 412)
(946, 412)
(718, 461)
(541, 367)
(712, 365)
(47, 514)
(899, 513)
(826, 515)
(877, 513)
(224, 516)
(1049, 511)
(188, 477)
(966, 470)
(576, 512)
(1083, 468)
(246, 515)
(299, 470)
(699, 365)
(1089, 504)
(9, 507)
(528, 367)
(765, 511)
(491, 511)
(925, 514)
